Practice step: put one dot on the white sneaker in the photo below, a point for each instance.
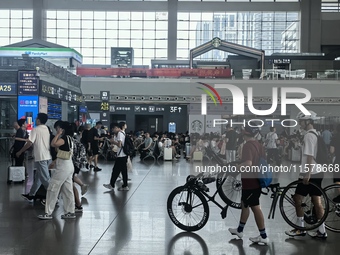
(259, 240)
(124, 188)
(108, 186)
(234, 232)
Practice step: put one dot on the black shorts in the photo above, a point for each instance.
(251, 197)
(311, 190)
(95, 149)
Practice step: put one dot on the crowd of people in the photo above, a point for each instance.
(59, 158)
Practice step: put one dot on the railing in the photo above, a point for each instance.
(279, 74)
(44, 66)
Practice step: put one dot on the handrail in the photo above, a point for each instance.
(44, 66)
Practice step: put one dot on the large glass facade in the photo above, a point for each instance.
(15, 26)
(94, 33)
(270, 31)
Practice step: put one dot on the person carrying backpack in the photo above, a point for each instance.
(251, 190)
(121, 160)
(309, 175)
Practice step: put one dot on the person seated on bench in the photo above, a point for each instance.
(145, 146)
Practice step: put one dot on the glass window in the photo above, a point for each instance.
(4, 23)
(62, 24)
(94, 33)
(74, 43)
(63, 42)
(16, 23)
(87, 15)
(100, 52)
(16, 32)
(99, 15)
(51, 33)
(62, 33)
(5, 14)
(136, 25)
(75, 15)
(62, 15)
(137, 16)
(99, 24)
(87, 34)
(87, 24)
(137, 43)
(99, 42)
(27, 33)
(51, 14)
(16, 14)
(73, 24)
(136, 34)
(75, 33)
(99, 34)
(112, 34)
(51, 24)
(149, 25)
(4, 32)
(124, 24)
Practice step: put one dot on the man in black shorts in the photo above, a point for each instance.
(251, 189)
(93, 140)
(310, 175)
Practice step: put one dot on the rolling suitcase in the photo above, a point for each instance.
(187, 149)
(16, 174)
(167, 154)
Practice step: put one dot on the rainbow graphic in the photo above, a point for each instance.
(208, 92)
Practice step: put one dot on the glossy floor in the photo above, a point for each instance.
(136, 221)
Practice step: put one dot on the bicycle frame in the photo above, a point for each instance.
(194, 184)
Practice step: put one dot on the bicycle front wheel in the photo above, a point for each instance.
(288, 211)
(188, 209)
(332, 221)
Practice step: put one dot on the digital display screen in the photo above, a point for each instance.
(82, 109)
(28, 83)
(28, 108)
(54, 111)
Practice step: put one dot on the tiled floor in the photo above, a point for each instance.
(136, 222)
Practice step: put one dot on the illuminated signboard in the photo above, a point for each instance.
(28, 107)
(8, 89)
(28, 83)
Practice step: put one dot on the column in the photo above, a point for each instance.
(310, 18)
(172, 29)
(38, 19)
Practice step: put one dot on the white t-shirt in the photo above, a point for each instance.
(271, 137)
(40, 137)
(309, 148)
(120, 137)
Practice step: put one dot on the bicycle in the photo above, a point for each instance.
(192, 200)
(231, 191)
(287, 206)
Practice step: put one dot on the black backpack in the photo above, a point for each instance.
(322, 151)
(128, 148)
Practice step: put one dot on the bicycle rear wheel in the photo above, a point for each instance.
(332, 221)
(187, 208)
(288, 212)
(230, 190)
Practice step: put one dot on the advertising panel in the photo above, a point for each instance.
(28, 108)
